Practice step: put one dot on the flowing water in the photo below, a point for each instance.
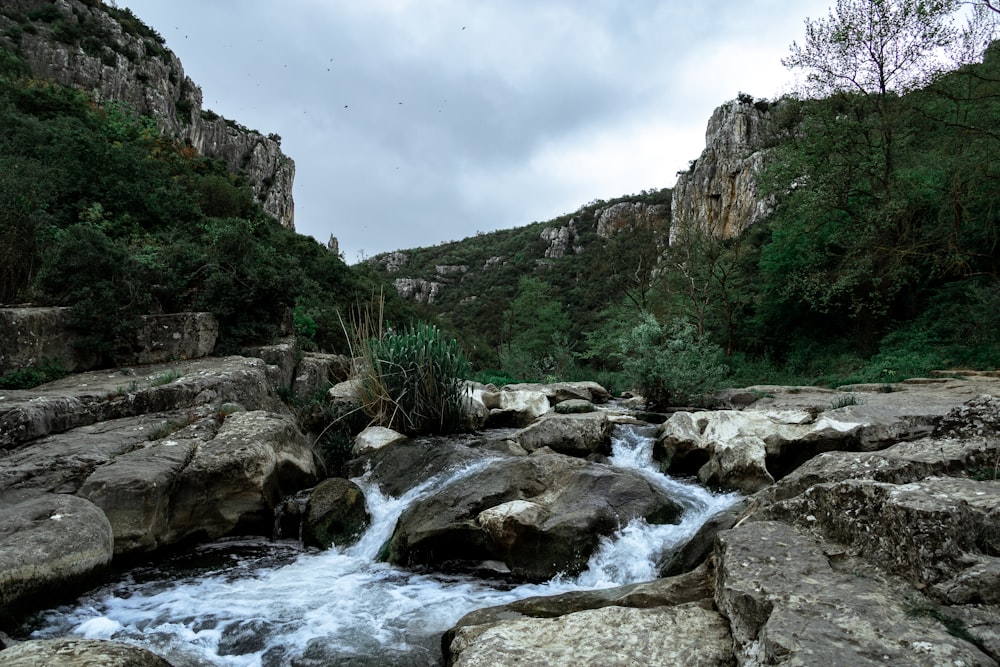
(271, 603)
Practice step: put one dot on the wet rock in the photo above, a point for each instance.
(540, 515)
(375, 437)
(49, 543)
(72, 652)
(575, 406)
(514, 407)
(574, 435)
(335, 514)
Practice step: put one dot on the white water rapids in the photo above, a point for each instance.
(343, 607)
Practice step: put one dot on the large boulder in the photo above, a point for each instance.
(794, 600)
(317, 372)
(572, 434)
(557, 392)
(514, 407)
(174, 336)
(202, 482)
(335, 514)
(687, 634)
(539, 515)
(234, 481)
(49, 544)
(75, 652)
(374, 438)
(35, 336)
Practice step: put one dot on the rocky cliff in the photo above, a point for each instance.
(108, 51)
(719, 193)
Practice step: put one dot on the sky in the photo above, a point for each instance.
(418, 122)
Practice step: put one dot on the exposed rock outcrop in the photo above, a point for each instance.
(73, 652)
(719, 194)
(124, 60)
(627, 215)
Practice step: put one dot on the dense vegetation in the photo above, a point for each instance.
(100, 212)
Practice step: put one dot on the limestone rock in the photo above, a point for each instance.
(575, 406)
(87, 398)
(514, 407)
(136, 67)
(719, 194)
(74, 652)
(539, 514)
(375, 437)
(574, 434)
(335, 514)
(557, 392)
(170, 337)
(281, 358)
(417, 289)
(49, 543)
(316, 372)
(560, 240)
(927, 531)
(788, 605)
(234, 481)
(33, 336)
(687, 634)
(626, 216)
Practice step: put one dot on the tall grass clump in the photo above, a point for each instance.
(412, 381)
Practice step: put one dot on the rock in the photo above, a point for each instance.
(402, 465)
(559, 240)
(574, 435)
(135, 491)
(557, 392)
(540, 515)
(73, 652)
(628, 216)
(318, 372)
(175, 336)
(51, 546)
(747, 450)
(718, 195)
(693, 553)
(927, 531)
(233, 482)
(155, 85)
(417, 289)
(514, 407)
(335, 514)
(375, 437)
(345, 393)
(787, 604)
(687, 634)
(281, 359)
(34, 336)
(87, 398)
(575, 406)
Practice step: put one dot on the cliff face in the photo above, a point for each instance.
(719, 193)
(110, 52)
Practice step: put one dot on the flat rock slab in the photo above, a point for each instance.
(788, 605)
(96, 396)
(48, 543)
(688, 634)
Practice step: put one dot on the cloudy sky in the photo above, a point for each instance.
(415, 122)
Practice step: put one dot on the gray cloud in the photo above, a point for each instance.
(413, 123)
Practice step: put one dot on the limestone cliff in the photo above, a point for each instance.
(719, 193)
(109, 52)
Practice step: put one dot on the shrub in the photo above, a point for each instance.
(413, 382)
(670, 364)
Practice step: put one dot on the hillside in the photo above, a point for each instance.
(850, 237)
(120, 196)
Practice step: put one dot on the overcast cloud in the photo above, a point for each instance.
(413, 122)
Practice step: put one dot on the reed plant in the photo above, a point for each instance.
(412, 381)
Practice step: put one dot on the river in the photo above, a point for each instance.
(252, 603)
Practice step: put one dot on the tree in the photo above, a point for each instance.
(874, 47)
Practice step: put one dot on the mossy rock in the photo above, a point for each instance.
(575, 406)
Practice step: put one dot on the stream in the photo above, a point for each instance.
(269, 603)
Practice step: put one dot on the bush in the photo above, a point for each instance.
(670, 364)
(413, 382)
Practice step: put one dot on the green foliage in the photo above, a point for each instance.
(413, 381)
(28, 378)
(844, 401)
(100, 212)
(166, 378)
(670, 364)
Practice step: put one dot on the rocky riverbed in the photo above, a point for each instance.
(869, 533)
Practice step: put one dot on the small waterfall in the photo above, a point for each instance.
(341, 606)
